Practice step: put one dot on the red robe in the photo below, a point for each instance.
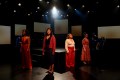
(85, 56)
(70, 57)
(25, 53)
(70, 53)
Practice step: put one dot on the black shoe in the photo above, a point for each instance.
(48, 72)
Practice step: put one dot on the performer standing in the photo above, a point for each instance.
(93, 47)
(70, 51)
(25, 50)
(48, 50)
(17, 48)
(85, 56)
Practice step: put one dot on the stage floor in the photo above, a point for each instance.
(58, 50)
(39, 73)
(81, 72)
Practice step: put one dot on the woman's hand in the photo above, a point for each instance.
(67, 51)
(43, 54)
(84, 49)
(75, 49)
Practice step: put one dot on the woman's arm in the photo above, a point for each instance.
(74, 46)
(54, 44)
(28, 43)
(83, 43)
(66, 46)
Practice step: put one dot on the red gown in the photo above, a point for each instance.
(85, 56)
(25, 53)
(70, 53)
(70, 57)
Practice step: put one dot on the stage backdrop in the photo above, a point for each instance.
(40, 27)
(76, 30)
(19, 28)
(5, 34)
(109, 32)
(61, 26)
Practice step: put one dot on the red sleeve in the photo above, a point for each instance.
(54, 44)
(43, 48)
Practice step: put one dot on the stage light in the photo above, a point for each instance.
(83, 6)
(42, 15)
(40, 0)
(67, 15)
(54, 12)
(75, 9)
(88, 11)
(68, 5)
(28, 14)
(48, 2)
(38, 7)
(19, 4)
(118, 6)
(14, 11)
(36, 11)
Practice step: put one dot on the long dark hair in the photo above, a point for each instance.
(26, 32)
(50, 33)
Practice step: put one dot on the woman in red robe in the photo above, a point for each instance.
(85, 56)
(25, 51)
(70, 51)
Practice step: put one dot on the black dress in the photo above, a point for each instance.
(48, 53)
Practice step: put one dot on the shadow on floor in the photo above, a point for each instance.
(49, 77)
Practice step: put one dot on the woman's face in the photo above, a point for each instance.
(23, 32)
(48, 31)
(70, 36)
(86, 35)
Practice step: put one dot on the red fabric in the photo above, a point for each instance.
(70, 57)
(85, 56)
(25, 53)
(51, 45)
